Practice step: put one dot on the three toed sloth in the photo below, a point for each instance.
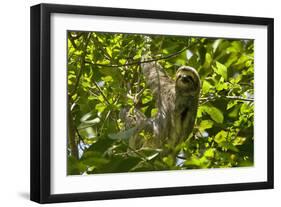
(177, 103)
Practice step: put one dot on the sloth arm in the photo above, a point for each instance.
(159, 82)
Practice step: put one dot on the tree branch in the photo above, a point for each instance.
(72, 41)
(77, 36)
(72, 143)
(212, 98)
(138, 62)
(82, 65)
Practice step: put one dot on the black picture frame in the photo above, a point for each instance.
(41, 96)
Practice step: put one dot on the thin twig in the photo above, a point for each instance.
(105, 119)
(97, 42)
(238, 98)
(101, 92)
(181, 157)
(139, 154)
(78, 134)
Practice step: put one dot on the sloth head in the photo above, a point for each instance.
(187, 81)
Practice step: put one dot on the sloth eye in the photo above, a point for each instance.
(186, 79)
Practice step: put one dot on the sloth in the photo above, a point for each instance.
(176, 101)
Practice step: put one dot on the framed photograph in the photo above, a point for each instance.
(132, 103)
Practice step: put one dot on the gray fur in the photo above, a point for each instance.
(177, 104)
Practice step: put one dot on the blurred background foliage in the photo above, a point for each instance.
(104, 76)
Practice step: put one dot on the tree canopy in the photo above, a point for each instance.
(104, 76)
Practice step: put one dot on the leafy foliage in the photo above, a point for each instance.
(104, 77)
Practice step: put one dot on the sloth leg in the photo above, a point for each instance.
(137, 120)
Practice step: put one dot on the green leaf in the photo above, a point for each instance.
(100, 107)
(239, 140)
(123, 134)
(206, 124)
(221, 137)
(221, 70)
(120, 164)
(107, 78)
(234, 113)
(209, 153)
(213, 112)
(109, 51)
(216, 44)
(86, 116)
(101, 145)
(231, 147)
(92, 158)
(231, 104)
(87, 121)
(195, 162)
(221, 85)
(206, 86)
(154, 111)
(169, 160)
(84, 119)
(74, 166)
(208, 60)
(236, 46)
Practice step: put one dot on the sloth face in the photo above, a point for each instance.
(187, 81)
